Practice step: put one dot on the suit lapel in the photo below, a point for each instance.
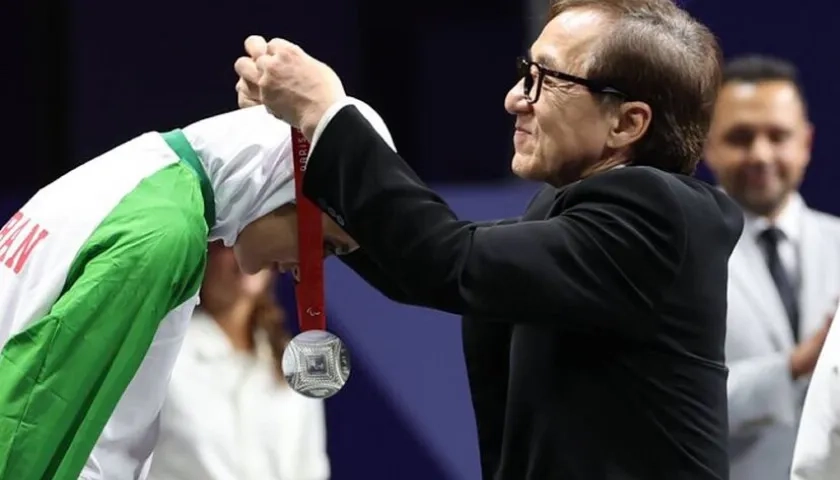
(751, 278)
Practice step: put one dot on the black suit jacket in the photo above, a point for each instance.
(593, 326)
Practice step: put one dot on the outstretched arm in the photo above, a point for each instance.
(373, 274)
(608, 239)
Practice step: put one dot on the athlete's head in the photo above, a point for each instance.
(271, 241)
(248, 158)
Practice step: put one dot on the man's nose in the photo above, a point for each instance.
(516, 102)
(761, 150)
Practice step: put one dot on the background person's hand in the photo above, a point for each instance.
(804, 358)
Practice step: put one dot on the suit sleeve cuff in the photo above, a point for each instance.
(325, 120)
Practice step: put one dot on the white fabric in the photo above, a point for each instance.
(817, 452)
(247, 155)
(125, 445)
(366, 110)
(227, 417)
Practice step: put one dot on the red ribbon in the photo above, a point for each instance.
(309, 290)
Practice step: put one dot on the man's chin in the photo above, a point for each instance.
(524, 167)
(764, 203)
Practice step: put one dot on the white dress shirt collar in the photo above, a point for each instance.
(789, 220)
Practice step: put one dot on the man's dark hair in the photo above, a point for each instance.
(657, 54)
(756, 68)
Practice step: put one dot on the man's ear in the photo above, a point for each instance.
(809, 135)
(632, 120)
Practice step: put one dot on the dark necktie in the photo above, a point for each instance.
(770, 239)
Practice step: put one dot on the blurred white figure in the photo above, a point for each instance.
(229, 415)
(817, 453)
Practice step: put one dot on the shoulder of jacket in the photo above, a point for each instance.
(636, 182)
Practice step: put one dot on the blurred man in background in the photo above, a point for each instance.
(229, 413)
(784, 272)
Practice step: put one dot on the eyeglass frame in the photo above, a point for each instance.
(524, 70)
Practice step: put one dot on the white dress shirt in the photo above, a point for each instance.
(227, 417)
(789, 222)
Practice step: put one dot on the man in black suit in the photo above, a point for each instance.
(594, 324)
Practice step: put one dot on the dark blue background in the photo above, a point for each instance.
(82, 76)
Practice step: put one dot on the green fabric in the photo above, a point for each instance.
(63, 375)
(179, 144)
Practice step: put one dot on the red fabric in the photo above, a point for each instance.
(309, 290)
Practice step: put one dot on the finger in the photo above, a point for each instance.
(246, 101)
(246, 68)
(264, 63)
(278, 45)
(247, 94)
(255, 46)
(247, 89)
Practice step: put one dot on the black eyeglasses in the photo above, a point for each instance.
(525, 66)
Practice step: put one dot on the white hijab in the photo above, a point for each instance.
(247, 155)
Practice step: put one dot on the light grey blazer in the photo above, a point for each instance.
(764, 402)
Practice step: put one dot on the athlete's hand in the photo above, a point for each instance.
(247, 89)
